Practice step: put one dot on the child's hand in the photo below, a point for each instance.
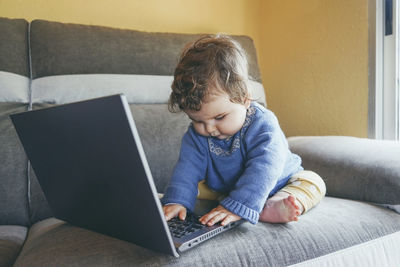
(173, 210)
(219, 214)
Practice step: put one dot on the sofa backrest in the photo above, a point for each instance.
(14, 97)
(71, 62)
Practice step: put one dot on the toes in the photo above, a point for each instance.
(287, 202)
(292, 199)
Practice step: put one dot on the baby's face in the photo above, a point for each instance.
(218, 116)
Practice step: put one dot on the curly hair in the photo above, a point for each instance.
(213, 60)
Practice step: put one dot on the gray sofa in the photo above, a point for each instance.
(47, 63)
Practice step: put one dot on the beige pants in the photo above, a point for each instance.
(307, 186)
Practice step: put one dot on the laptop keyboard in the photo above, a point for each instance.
(179, 228)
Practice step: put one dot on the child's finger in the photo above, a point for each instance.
(171, 211)
(168, 214)
(182, 214)
(228, 219)
(218, 217)
(208, 216)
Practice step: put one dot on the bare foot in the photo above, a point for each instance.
(281, 208)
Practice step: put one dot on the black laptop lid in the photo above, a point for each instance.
(91, 166)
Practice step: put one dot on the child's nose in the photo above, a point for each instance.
(210, 128)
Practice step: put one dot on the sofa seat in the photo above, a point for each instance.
(52, 242)
(12, 238)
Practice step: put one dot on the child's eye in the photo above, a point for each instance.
(220, 118)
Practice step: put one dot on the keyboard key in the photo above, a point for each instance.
(181, 228)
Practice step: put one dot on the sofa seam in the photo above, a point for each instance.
(30, 68)
(28, 175)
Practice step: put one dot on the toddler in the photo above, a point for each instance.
(234, 150)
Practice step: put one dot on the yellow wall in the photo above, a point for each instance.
(182, 16)
(313, 53)
(314, 60)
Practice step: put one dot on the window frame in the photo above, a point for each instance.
(384, 98)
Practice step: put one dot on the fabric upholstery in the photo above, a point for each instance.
(14, 46)
(317, 233)
(14, 88)
(11, 240)
(14, 73)
(39, 207)
(13, 170)
(138, 89)
(62, 48)
(160, 132)
(62, 89)
(353, 168)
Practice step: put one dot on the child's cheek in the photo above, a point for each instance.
(229, 124)
(199, 128)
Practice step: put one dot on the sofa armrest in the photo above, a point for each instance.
(353, 168)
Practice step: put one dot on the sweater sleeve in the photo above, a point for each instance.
(266, 155)
(188, 172)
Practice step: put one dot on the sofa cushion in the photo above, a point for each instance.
(14, 97)
(317, 233)
(11, 240)
(71, 62)
(62, 48)
(13, 170)
(160, 132)
(39, 207)
(14, 46)
(353, 168)
(14, 63)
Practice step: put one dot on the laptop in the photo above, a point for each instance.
(92, 168)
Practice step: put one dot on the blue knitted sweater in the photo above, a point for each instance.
(248, 167)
